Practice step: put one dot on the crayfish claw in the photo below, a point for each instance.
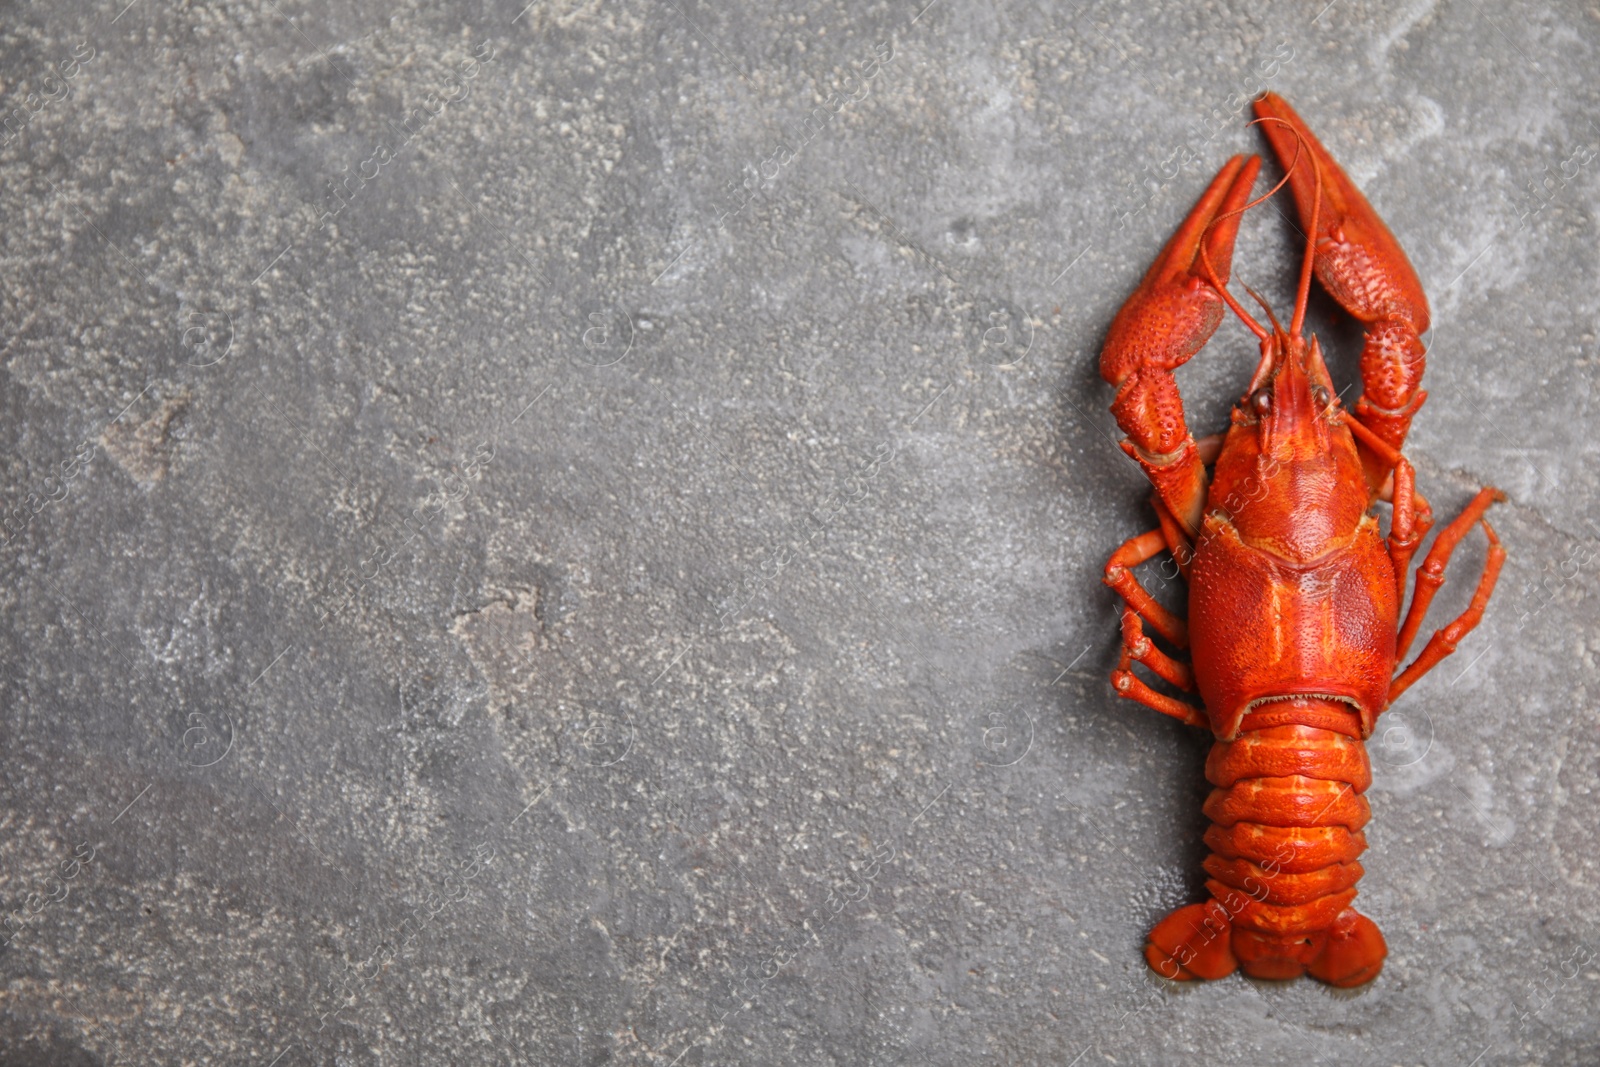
(1162, 325)
(1362, 266)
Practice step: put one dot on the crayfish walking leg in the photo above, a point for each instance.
(1136, 646)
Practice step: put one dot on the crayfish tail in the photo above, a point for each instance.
(1196, 941)
(1286, 834)
(1353, 954)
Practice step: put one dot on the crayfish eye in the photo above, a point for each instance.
(1320, 395)
(1261, 401)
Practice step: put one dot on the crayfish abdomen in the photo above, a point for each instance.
(1287, 814)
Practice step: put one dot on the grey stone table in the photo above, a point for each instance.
(571, 533)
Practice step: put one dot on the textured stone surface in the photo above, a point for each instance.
(618, 582)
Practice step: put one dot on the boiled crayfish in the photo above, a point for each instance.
(1294, 629)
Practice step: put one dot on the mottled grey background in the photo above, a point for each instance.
(619, 583)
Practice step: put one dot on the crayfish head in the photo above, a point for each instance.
(1291, 400)
(1285, 469)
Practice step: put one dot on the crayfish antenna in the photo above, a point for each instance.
(1227, 298)
(1222, 289)
(1311, 251)
(1303, 293)
(1276, 326)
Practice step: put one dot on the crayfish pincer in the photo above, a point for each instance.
(1294, 631)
